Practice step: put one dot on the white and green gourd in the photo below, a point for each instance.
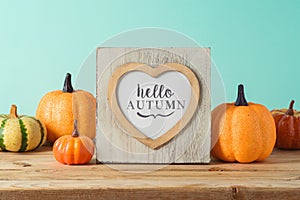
(21, 133)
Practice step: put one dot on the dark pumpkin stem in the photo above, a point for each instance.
(68, 84)
(241, 100)
(75, 131)
(290, 111)
(13, 112)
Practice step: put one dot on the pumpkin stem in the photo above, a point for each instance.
(241, 100)
(75, 131)
(68, 84)
(13, 112)
(290, 111)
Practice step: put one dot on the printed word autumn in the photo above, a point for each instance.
(156, 97)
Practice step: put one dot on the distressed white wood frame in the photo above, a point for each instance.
(190, 145)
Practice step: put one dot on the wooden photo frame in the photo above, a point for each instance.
(182, 71)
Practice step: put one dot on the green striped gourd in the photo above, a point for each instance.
(21, 133)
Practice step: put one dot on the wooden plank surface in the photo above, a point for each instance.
(36, 175)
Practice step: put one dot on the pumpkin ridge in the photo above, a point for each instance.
(262, 136)
(243, 144)
(291, 128)
(296, 131)
(216, 114)
(219, 150)
(2, 145)
(279, 129)
(42, 131)
(268, 133)
(280, 121)
(229, 118)
(23, 129)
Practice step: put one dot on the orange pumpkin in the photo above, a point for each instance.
(243, 132)
(58, 109)
(287, 127)
(73, 149)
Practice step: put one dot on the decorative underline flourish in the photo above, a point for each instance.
(154, 116)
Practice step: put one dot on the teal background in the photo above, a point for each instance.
(253, 42)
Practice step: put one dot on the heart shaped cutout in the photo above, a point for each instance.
(153, 104)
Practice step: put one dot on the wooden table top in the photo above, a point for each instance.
(36, 175)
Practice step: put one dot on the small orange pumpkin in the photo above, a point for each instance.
(58, 109)
(243, 132)
(287, 127)
(73, 149)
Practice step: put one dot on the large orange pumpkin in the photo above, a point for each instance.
(243, 132)
(287, 127)
(58, 109)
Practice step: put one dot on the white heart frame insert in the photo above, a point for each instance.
(161, 99)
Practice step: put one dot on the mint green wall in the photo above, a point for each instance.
(253, 42)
